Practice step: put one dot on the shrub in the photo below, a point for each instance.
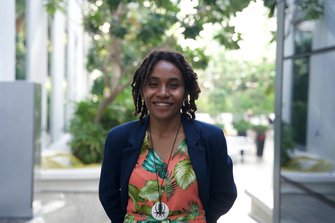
(241, 126)
(87, 141)
(260, 129)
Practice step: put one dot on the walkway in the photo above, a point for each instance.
(254, 174)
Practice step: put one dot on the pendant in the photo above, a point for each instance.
(160, 211)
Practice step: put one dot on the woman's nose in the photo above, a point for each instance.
(162, 91)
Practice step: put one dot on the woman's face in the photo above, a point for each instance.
(164, 91)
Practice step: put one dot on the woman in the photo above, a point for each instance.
(166, 166)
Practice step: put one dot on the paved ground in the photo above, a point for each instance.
(69, 206)
(252, 174)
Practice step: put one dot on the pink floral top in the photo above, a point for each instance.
(180, 188)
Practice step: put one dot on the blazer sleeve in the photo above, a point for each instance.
(109, 185)
(223, 193)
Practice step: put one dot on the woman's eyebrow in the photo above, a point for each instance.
(157, 78)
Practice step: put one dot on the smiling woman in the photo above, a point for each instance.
(166, 166)
(164, 92)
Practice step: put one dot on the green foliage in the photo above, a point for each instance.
(20, 40)
(87, 140)
(53, 5)
(286, 143)
(312, 9)
(226, 37)
(241, 125)
(20, 72)
(260, 129)
(61, 161)
(124, 31)
(239, 86)
(308, 164)
(271, 5)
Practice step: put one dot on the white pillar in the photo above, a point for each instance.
(57, 76)
(7, 40)
(72, 23)
(37, 54)
(77, 82)
(81, 55)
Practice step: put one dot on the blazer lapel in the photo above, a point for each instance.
(129, 157)
(197, 155)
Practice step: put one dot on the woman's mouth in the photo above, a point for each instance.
(162, 104)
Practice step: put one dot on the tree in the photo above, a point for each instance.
(238, 86)
(20, 39)
(123, 31)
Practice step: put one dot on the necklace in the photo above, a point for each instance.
(160, 210)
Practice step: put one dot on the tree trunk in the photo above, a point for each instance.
(113, 88)
(104, 104)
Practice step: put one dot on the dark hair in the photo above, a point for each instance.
(143, 72)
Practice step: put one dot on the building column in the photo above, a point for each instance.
(7, 41)
(77, 81)
(276, 218)
(37, 55)
(82, 76)
(81, 55)
(70, 71)
(57, 76)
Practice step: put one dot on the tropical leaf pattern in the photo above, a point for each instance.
(184, 173)
(177, 179)
(154, 164)
(149, 191)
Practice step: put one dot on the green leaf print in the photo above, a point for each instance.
(153, 163)
(170, 187)
(149, 191)
(190, 214)
(182, 149)
(145, 209)
(129, 219)
(184, 173)
(194, 209)
(134, 195)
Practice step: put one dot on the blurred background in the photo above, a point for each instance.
(265, 68)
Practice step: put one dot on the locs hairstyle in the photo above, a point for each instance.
(143, 72)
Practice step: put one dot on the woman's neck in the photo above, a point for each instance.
(164, 127)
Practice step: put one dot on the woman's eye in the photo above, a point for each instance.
(152, 84)
(173, 85)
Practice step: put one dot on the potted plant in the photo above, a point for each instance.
(241, 126)
(260, 137)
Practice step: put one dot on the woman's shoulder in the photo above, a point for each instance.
(205, 126)
(123, 128)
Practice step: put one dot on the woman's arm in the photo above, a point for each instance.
(223, 193)
(109, 186)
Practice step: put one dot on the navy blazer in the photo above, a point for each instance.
(208, 154)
